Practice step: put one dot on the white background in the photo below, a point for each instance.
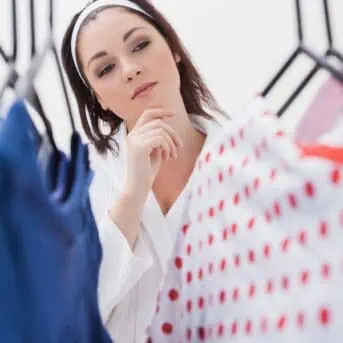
(237, 45)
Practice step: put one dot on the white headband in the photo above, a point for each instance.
(84, 15)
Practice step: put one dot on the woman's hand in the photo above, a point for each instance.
(150, 142)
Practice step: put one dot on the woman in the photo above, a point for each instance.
(143, 106)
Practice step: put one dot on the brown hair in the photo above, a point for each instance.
(194, 91)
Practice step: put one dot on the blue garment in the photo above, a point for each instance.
(49, 247)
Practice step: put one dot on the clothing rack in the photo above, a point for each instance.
(11, 81)
(301, 49)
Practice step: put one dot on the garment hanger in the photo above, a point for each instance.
(11, 60)
(321, 61)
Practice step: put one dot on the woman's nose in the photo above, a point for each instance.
(132, 75)
(131, 71)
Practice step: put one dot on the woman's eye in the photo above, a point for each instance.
(106, 70)
(141, 46)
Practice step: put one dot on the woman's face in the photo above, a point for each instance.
(121, 54)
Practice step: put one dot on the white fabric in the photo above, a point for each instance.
(129, 281)
(84, 15)
(258, 256)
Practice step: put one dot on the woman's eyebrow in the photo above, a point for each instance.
(103, 53)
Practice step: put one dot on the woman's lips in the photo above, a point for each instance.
(143, 90)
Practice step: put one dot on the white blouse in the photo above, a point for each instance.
(130, 280)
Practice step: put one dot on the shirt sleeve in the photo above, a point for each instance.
(121, 267)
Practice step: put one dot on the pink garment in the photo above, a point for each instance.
(322, 114)
(259, 256)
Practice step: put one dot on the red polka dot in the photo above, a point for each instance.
(277, 209)
(220, 177)
(236, 199)
(201, 303)
(264, 325)
(221, 149)
(285, 282)
(264, 144)
(302, 237)
(167, 328)
(210, 268)
(280, 133)
(178, 262)
(336, 176)
(173, 294)
(281, 323)
(189, 306)
(251, 223)
(252, 290)
(256, 183)
(257, 153)
(221, 330)
(223, 264)
(221, 205)
(235, 294)
(325, 271)
(251, 256)
(268, 216)
(200, 274)
(247, 191)
(185, 228)
(241, 133)
(292, 199)
(325, 316)
(234, 328)
(245, 162)
(323, 229)
(211, 212)
(189, 277)
(189, 335)
(225, 234)
(208, 157)
(309, 189)
(210, 239)
(237, 261)
(209, 332)
(304, 277)
(201, 333)
(272, 174)
(285, 245)
(230, 170)
(270, 287)
(234, 229)
(266, 251)
(248, 327)
(222, 297)
(300, 320)
(232, 142)
(189, 249)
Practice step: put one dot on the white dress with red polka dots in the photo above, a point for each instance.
(260, 255)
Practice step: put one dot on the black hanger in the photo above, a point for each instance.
(11, 60)
(321, 61)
